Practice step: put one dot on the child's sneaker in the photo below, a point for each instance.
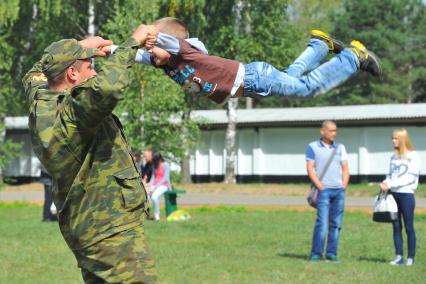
(368, 61)
(334, 45)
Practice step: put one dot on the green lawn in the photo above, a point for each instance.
(219, 245)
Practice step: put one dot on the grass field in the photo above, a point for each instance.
(219, 245)
(284, 189)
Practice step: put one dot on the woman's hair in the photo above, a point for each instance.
(173, 27)
(156, 159)
(404, 145)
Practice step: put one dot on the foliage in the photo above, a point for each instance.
(395, 31)
(8, 15)
(272, 31)
(152, 95)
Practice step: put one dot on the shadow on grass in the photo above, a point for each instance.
(293, 255)
(373, 259)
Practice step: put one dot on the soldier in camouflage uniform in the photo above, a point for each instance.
(97, 189)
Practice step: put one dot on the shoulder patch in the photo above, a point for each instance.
(39, 77)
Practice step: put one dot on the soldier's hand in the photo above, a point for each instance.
(102, 45)
(140, 34)
(150, 41)
(106, 50)
(152, 36)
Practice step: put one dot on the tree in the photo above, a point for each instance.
(152, 96)
(8, 15)
(265, 20)
(395, 31)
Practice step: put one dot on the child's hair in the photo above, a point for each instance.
(404, 142)
(173, 27)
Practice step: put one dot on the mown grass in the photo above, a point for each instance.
(218, 245)
(284, 189)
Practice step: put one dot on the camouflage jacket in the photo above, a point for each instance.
(97, 187)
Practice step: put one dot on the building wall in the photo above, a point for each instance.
(26, 165)
(278, 154)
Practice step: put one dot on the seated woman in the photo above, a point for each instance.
(160, 181)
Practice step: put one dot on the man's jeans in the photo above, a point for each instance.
(262, 79)
(330, 207)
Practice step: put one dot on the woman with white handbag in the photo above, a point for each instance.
(402, 181)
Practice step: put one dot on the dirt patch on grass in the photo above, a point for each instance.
(35, 186)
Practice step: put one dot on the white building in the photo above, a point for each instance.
(271, 143)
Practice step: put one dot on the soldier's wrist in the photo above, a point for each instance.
(131, 42)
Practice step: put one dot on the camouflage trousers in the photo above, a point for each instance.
(121, 258)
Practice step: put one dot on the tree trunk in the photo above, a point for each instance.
(185, 170)
(231, 133)
(231, 130)
(91, 28)
(410, 86)
(249, 103)
(184, 162)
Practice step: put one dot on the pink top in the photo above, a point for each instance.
(159, 176)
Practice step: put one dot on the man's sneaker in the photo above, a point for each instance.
(397, 261)
(314, 258)
(334, 45)
(331, 258)
(368, 61)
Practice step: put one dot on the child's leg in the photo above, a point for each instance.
(262, 80)
(311, 58)
(158, 192)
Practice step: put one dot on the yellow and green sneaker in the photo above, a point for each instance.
(334, 45)
(368, 61)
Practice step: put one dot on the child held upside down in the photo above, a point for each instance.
(187, 62)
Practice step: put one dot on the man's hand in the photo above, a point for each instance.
(152, 36)
(103, 46)
(150, 41)
(140, 34)
(320, 187)
(146, 34)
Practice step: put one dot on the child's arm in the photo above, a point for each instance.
(171, 44)
(142, 56)
(168, 43)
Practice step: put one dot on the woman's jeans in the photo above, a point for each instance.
(262, 79)
(406, 204)
(330, 207)
(158, 192)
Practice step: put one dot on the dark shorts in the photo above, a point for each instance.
(121, 258)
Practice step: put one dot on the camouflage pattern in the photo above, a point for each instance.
(100, 263)
(96, 185)
(62, 54)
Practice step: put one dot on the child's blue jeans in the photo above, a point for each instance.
(262, 79)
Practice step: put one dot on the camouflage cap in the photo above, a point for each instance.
(62, 54)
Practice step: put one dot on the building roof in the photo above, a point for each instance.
(349, 115)
(354, 114)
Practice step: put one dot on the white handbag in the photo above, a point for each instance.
(385, 208)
